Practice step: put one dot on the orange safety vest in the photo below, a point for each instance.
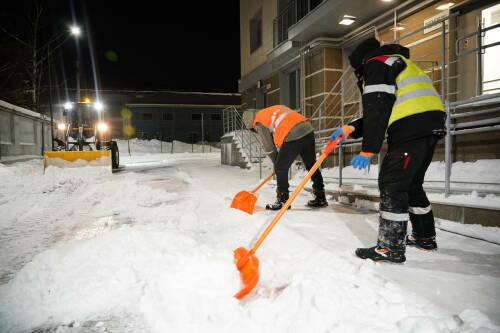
(279, 119)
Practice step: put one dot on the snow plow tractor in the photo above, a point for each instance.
(83, 139)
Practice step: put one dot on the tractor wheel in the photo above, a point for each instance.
(115, 155)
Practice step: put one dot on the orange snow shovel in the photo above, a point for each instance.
(245, 200)
(246, 261)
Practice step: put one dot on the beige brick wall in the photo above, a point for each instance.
(248, 8)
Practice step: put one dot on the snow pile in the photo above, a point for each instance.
(481, 171)
(476, 176)
(138, 146)
(491, 234)
(152, 252)
(146, 270)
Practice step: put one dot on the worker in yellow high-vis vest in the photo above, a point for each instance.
(400, 101)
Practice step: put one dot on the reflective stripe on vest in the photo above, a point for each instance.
(272, 125)
(279, 119)
(277, 122)
(415, 93)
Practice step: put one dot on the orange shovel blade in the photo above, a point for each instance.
(248, 265)
(244, 201)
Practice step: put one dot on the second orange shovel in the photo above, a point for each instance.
(245, 200)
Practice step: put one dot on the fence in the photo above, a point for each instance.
(23, 133)
(139, 146)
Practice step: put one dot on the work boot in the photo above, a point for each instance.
(319, 200)
(378, 253)
(426, 244)
(281, 198)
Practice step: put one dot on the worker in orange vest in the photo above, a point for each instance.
(278, 125)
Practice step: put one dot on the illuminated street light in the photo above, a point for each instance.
(75, 30)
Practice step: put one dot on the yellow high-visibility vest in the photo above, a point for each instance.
(415, 93)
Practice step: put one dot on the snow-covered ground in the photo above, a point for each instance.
(149, 249)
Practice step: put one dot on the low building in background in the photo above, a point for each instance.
(184, 116)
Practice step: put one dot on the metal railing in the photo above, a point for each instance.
(289, 15)
(480, 105)
(342, 103)
(250, 145)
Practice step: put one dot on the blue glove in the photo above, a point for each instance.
(345, 131)
(362, 160)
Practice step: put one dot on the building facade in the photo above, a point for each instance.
(186, 123)
(294, 52)
(167, 115)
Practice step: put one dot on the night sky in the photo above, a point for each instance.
(171, 45)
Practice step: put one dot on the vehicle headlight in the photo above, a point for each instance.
(68, 106)
(102, 127)
(61, 126)
(98, 106)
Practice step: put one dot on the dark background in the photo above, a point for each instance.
(170, 45)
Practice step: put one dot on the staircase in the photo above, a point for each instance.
(241, 146)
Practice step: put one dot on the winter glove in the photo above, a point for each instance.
(362, 160)
(345, 131)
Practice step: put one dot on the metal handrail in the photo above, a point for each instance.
(250, 144)
(452, 129)
(479, 33)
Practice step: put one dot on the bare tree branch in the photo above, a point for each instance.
(15, 37)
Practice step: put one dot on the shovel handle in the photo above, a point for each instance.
(263, 182)
(328, 149)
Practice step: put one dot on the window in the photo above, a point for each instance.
(491, 70)
(147, 116)
(256, 31)
(196, 116)
(167, 116)
(215, 116)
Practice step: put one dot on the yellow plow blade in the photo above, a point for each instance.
(74, 159)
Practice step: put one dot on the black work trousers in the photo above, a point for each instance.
(402, 195)
(305, 147)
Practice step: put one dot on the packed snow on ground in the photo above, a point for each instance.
(150, 250)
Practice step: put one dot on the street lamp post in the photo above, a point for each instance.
(76, 31)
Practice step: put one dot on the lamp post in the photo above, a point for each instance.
(76, 31)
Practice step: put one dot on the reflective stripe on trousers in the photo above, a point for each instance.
(400, 217)
(420, 210)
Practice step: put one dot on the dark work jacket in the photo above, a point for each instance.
(377, 106)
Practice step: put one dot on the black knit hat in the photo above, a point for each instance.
(366, 46)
